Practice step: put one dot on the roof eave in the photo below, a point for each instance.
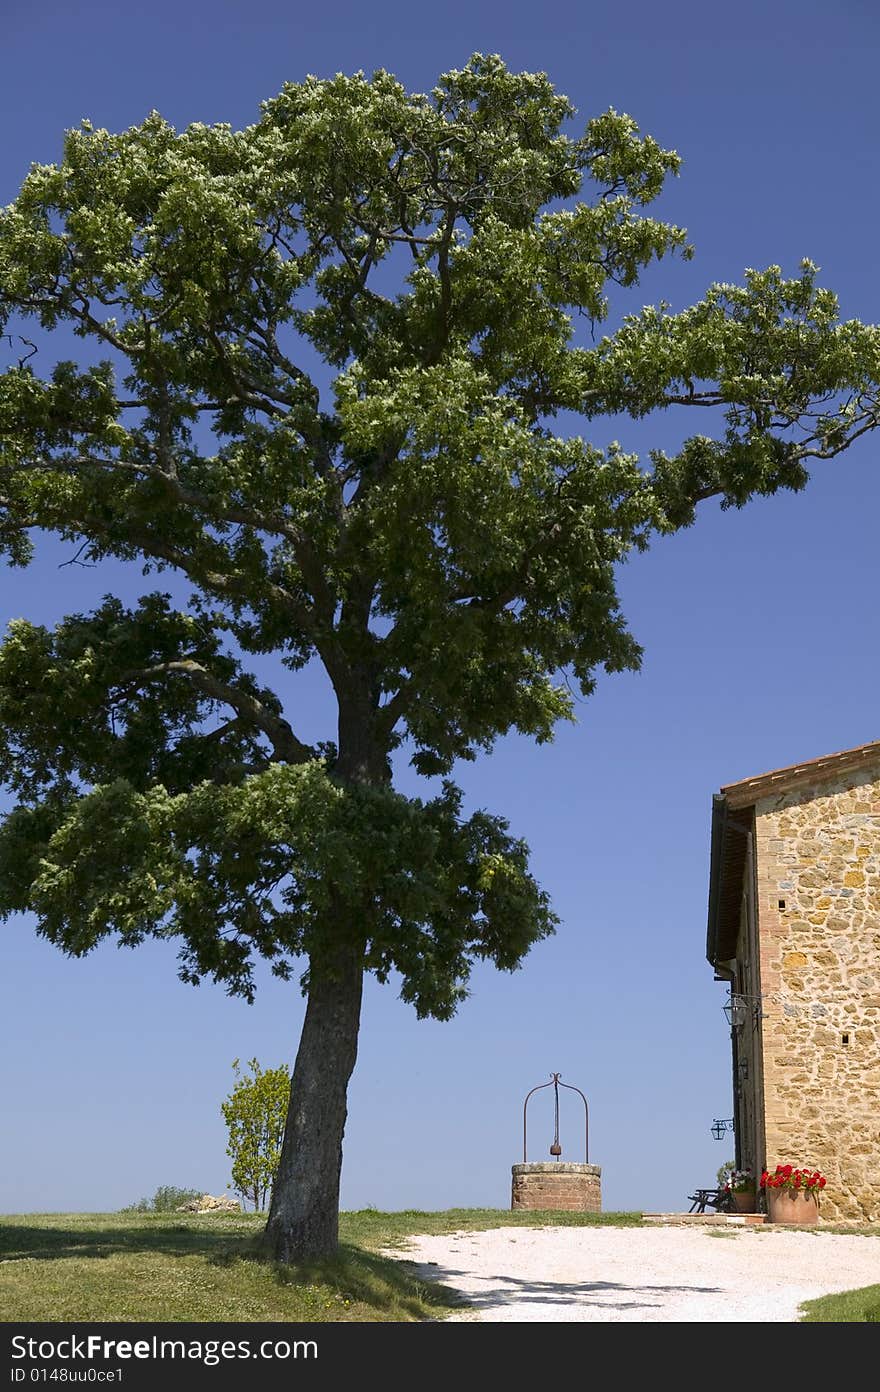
(719, 818)
(748, 791)
(731, 831)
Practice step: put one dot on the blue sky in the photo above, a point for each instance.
(759, 629)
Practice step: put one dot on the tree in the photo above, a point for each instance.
(254, 1113)
(724, 1173)
(323, 357)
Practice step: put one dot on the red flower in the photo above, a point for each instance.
(788, 1177)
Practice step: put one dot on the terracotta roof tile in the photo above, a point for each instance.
(748, 791)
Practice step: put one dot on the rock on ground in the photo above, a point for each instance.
(209, 1204)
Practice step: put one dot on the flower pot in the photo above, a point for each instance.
(744, 1202)
(799, 1206)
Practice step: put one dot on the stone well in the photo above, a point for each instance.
(557, 1184)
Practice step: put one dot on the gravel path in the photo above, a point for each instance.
(660, 1274)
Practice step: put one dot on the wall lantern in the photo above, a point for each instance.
(737, 1009)
(718, 1128)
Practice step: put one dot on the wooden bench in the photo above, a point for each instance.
(719, 1199)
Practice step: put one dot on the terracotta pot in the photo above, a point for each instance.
(792, 1206)
(744, 1202)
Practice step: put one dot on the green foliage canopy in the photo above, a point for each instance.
(322, 358)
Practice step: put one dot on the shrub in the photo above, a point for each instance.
(168, 1198)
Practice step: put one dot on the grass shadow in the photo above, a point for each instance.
(377, 1282)
(21, 1242)
(179, 1268)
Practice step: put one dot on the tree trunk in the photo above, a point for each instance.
(304, 1214)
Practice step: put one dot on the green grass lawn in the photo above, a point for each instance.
(850, 1307)
(204, 1267)
(66, 1267)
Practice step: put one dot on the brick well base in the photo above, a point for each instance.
(556, 1184)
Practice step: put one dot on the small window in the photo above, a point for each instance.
(844, 1039)
(782, 903)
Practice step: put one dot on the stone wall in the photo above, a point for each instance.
(818, 870)
(559, 1185)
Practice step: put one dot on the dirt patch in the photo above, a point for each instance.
(660, 1274)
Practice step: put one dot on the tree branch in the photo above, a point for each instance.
(286, 748)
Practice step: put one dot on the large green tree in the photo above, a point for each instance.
(322, 357)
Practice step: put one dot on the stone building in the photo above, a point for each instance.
(794, 929)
